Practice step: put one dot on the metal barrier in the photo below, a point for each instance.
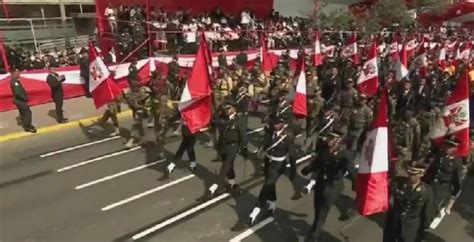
(31, 31)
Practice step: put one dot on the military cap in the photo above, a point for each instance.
(416, 168)
(281, 120)
(230, 103)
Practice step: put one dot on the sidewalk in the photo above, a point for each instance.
(76, 109)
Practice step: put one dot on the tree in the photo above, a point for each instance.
(387, 13)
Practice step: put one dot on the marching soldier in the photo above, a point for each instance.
(54, 82)
(158, 88)
(315, 105)
(359, 120)
(445, 174)
(232, 140)
(132, 73)
(224, 86)
(328, 168)
(113, 107)
(136, 100)
(279, 152)
(20, 99)
(411, 207)
(187, 144)
(406, 131)
(173, 71)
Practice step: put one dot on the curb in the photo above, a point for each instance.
(58, 127)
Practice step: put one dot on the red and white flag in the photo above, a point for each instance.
(368, 81)
(329, 50)
(195, 102)
(442, 58)
(265, 59)
(410, 47)
(350, 49)
(372, 178)
(401, 68)
(455, 119)
(420, 61)
(101, 85)
(300, 108)
(318, 56)
(393, 50)
(464, 52)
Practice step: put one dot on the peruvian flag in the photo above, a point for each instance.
(195, 102)
(350, 49)
(318, 57)
(393, 50)
(299, 100)
(455, 119)
(421, 61)
(464, 52)
(372, 178)
(101, 86)
(368, 81)
(265, 58)
(329, 50)
(401, 70)
(410, 48)
(442, 58)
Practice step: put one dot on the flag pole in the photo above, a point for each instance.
(4, 54)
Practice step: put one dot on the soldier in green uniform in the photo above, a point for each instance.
(315, 104)
(406, 133)
(20, 99)
(113, 107)
(173, 71)
(163, 112)
(136, 100)
(132, 73)
(359, 120)
(346, 98)
(157, 87)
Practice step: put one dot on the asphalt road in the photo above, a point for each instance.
(102, 192)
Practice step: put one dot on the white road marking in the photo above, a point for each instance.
(255, 130)
(117, 175)
(190, 211)
(97, 159)
(252, 230)
(78, 146)
(179, 217)
(146, 193)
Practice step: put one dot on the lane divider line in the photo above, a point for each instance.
(122, 173)
(192, 210)
(146, 193)
(252, 230)
(179, 217)
(78, 146)
(97, 159)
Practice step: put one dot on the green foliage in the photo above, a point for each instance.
(391, 12)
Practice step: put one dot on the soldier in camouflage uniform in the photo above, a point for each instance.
(136, 98)
(173, 71)
(113, 107)
(163, 112)
(359, 120)
(157, 87)
(132, 73)
(406, 136)
(346, 98)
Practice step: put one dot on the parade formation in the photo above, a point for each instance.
(392, 131)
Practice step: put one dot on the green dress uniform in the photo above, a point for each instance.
(54, 82)
(20, 99)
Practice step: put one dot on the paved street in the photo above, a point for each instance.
(101, 192)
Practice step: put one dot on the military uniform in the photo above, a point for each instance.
(20, 99)
(187, 145)
(132, 74)
(445, 175)
(113, 107)
(136, 100)
(410, 212)
(54, 81)
(279, 152)
(173, 72)
(359, 120)
(328, 169)
(232, 139)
